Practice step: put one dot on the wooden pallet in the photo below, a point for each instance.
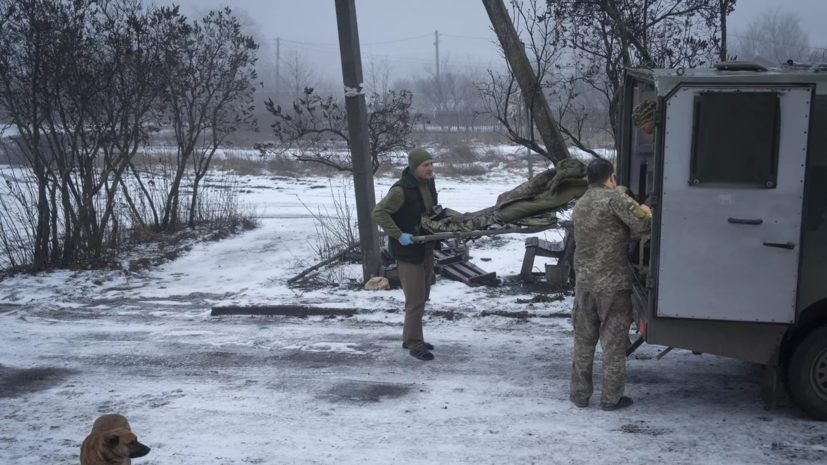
(452, 266)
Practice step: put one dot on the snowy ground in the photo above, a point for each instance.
(273, 390)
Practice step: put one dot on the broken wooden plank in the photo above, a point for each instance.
(524, 314)
(441, 258)
(547, 246)
(451, 272)
(315, 267)
(528, 261)
(300, 311)
(484, 278)
(474, 274)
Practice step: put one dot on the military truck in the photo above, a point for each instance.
(736, 176)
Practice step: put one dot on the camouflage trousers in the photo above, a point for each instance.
(604, 316)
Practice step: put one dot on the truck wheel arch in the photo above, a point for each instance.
(810, 318)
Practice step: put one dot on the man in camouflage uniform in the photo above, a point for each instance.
(602, 219)
(399, 213)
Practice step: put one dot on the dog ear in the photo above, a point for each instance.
(112, 440)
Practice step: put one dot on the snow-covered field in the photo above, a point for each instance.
(274, 390)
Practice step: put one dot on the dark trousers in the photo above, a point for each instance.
(416, 284)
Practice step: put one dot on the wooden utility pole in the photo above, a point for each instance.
(527, 79)
(436, 44)
(357, 126)
(278, 67)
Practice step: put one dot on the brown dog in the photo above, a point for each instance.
(111, 442)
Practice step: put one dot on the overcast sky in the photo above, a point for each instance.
(463, 26)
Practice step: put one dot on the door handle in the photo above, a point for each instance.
(788, 245)
(749, 222)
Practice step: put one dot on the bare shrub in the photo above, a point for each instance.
(17, 221)
(242, 166)
(221, 209)
(314, 128)
(451, 170)
(283, 165)
(489, 155)
(459, 152)
(388, 170)
(337, 230)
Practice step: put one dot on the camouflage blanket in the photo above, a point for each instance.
(533, 203)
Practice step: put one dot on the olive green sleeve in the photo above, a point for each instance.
(629, 211)
(386, 207)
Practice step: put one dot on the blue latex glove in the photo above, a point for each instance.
(405, 239)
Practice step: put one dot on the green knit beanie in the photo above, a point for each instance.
(417, 157)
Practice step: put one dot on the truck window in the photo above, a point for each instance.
(735, 139)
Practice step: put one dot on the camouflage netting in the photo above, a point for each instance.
(533, 203)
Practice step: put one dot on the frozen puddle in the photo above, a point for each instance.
(164, 302)
(339, 347)
(189, 333)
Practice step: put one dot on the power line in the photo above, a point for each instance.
(310, 43)
(414, 61)
(397, 40)
(393, 41)
(487, 39)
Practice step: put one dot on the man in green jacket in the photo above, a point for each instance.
(399, 213)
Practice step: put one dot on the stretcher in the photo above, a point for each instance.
(487, 232)
(529, 208)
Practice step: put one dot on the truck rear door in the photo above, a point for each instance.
(731, 202)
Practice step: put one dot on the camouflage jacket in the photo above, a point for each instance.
(603, 219)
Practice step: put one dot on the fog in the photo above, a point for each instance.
(402, 32)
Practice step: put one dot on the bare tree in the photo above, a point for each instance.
(449, 91)
(315, 128)
(776, 35)
(378, 73)
(209, 96)
(27, 32)
(608, 36)
(298, 73)
(78, 79)
(544, 49)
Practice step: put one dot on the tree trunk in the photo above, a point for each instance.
(194, 202)
(157, 222)
(41, 248)
(109, 210)
(69, 237)
(55, 257)
(724, 4)
(171, 213)
(135, 214)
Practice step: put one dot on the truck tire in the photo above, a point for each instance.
(807, 374)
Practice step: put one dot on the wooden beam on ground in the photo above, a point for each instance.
(300, 311)
(524, 314)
